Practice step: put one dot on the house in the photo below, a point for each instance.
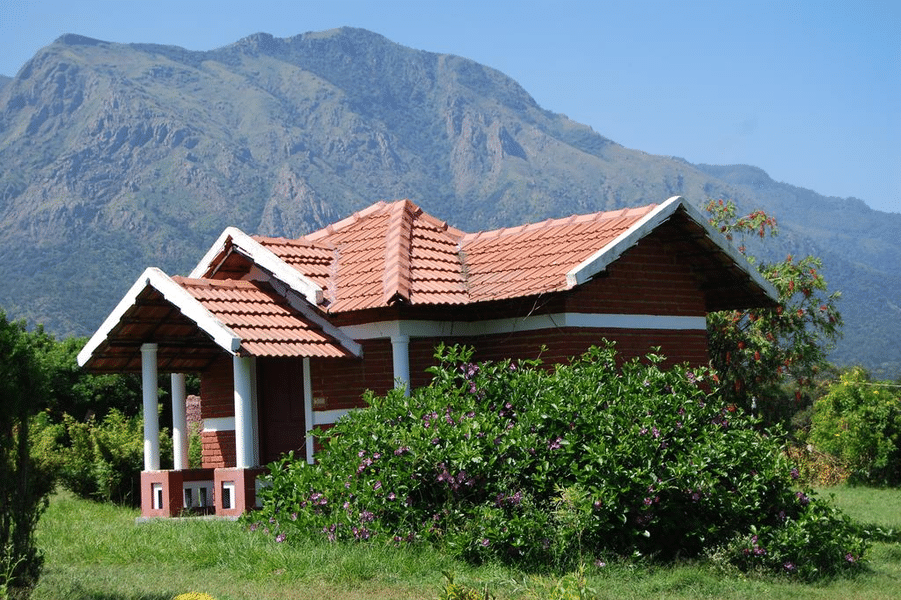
(286, 334)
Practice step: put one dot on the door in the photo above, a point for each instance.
(282, 427)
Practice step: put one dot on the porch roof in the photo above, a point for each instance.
(193, 321)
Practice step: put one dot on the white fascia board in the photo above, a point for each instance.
(174, 293)
(263, 258)
(422, 329)
(599, 261)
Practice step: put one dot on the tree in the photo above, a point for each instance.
(767, 359)
(23, 487)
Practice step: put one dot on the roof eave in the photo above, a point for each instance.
(191, 308)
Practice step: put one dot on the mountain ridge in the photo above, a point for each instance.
(119, 156)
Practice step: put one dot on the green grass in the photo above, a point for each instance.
(97, 552)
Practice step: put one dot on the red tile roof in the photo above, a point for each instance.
(262, 318)
(395, 252)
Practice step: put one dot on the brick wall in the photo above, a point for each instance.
(217, 393)
(677, 345)
(217, 388)
(646, 280)
(218, 449)
(341, 382)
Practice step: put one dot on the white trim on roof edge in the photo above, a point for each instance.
(174, 293)
(263, 258)
(599, 261)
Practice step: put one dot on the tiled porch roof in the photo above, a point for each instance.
(192, 321)
(262, 318)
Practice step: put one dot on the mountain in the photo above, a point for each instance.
(120, 156)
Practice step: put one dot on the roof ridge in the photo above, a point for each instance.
(396, 281)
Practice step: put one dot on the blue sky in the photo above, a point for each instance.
(808, 91)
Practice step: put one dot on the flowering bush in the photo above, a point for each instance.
(505, 461)
(756, 352)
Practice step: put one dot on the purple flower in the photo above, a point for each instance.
(280, 538)
(366, 517)
(794, 473)
(401, 450)
(789, 566)
(361, 454)
(377, 485)
(485, 542)
(255, 526)
(391, 496)
(600, 564)
(850, 558)
(802, 498)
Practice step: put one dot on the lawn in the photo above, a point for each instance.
(97, 552)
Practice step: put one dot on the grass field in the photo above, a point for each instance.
(97, 552)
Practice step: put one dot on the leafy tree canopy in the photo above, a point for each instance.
(758, 352)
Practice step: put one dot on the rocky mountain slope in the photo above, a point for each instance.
(115, 157)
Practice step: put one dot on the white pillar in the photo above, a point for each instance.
(400, 352)
(243, 366)
(151, 404)
(308, 407)
(179, 423)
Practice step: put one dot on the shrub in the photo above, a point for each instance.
(24, 486)
(97, 460)
(505, 461)
(859, 422)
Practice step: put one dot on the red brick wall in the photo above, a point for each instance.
(341, 382)
(562, 344)
(217, 400)
(646, 280)
(218, 449)
(217, 389)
